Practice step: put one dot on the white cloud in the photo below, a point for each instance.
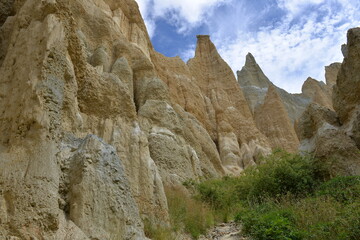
(297, 44)
(289, 53)
(295, 6)
(145, 6)
(184, 14)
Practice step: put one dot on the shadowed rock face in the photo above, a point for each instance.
(334, 136)
(252, 75)
(347, 89)
(267, 102)
(331, 73)
(320, 133)
(255, 85)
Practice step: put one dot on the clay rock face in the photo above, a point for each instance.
(347, 89)
(99, 196)
(77, 63)
(227, 106)
(272, 119)
(269, 116)
(318, 92)
(252, 75)
(184, 90)
(334, 137)
(331, 73)
(212, 73)
(6, 9)
(320, 133)
(180, 152)
(255, 85)
(94, 122)
(253, 82)
(225, 141)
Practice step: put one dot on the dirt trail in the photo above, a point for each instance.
(224, 231)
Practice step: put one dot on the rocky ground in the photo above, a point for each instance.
(224, 231)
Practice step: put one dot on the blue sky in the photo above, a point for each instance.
(290, 39)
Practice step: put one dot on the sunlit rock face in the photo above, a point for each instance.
(94, 122)
(318, 92)
(207, 90)
(272, 119)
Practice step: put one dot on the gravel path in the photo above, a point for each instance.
(224, 231)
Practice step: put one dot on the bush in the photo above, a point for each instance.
(219, 195)
(280, 174)
(264, 223)
(342, 189)
(288, 197)
(188, 214)
(157, 232)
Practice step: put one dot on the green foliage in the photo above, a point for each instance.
(187, 213)
(219, 195)
(280, 174)
(266, 223)
(323, 218)
(342, 189)
(288, 197)
(157, 232)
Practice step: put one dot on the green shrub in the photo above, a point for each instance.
(264, 223)
(188, 214)
(288, 196)
(280, 174)
(157, 232)
(323, 218)
(220, 196)
(342, 189)
(350, 217)
(219, 193)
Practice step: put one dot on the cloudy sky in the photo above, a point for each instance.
(290, 39)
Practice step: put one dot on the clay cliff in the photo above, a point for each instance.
(272, 119)
(95, 122)
(266, 102)
(333, 136)
(255, 84)
(317, 92)
(331, 73)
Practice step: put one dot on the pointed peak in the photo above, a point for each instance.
(199, 37)
(309, 79)
(204, 45)
(252, 75)
(250, 59)
(203, 39)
